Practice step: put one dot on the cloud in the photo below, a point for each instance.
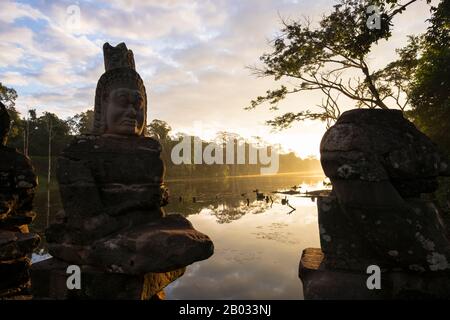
(14, 79)
(134, 20)
(191, 55)
(13, 45)
(12, 11)
(9, 56)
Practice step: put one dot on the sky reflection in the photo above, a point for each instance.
(256, 255)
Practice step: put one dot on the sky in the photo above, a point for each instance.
(192, 55)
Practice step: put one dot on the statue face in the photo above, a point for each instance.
(125, 112)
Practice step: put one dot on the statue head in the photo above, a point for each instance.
(4, 124)
(120, 98)
(376, 145)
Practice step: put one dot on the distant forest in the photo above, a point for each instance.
(33, 135)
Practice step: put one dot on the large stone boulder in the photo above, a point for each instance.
(380, 167)
(379, 164)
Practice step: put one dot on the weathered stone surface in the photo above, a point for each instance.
(15, 245)
(112, 191)
(379, 164)
(49, 282)
(163, 245)
(113, 174)
(323, 283)
(81, 231)
(343, 247)
(17, 188)
(14, 276)
(376, 145)
(17, 220)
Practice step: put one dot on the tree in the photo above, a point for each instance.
(15, 137)
(430, 88)
(81, 123)
(39, 133)
(159, 129)
(49, 168)
(8, 96)
(332, 59)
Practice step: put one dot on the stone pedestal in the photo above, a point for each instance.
(322, 283)
(15, 278)
(49, 279)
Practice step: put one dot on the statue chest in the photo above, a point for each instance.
(119, 170)
(127, 169)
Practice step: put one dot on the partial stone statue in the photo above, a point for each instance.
(17, 188)
(112, 190)
(380, 166)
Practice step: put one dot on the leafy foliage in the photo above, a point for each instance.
(430, 88)
(8, 96)
(81, 123)
(159, 129)
(326, 58)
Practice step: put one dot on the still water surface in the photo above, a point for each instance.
(257, 246)
(257, 243)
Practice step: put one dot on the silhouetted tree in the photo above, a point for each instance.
(81, 123)
(332, 59)
(430, 88)
(159, 129)
(8, 96)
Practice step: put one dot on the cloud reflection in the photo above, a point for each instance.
(256, 255)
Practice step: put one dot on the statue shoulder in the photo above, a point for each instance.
(87, 146)
(18, 158)
(151, 143)
(81, 143)
(85, 139)
(19, 166)
(9, 150)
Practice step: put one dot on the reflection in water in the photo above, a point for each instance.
(275, 232)
(226, 213)
(257, 247)
(257, 243)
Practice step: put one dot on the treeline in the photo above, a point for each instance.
(47, 134)
(288, 162)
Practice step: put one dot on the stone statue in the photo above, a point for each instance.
(117, 171)
(112, 191)
(17, 187)
(380, 166)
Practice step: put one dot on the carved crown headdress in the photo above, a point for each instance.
(120, 71)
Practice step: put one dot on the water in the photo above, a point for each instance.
(257, 245)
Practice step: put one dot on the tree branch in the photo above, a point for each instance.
(371, 86)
